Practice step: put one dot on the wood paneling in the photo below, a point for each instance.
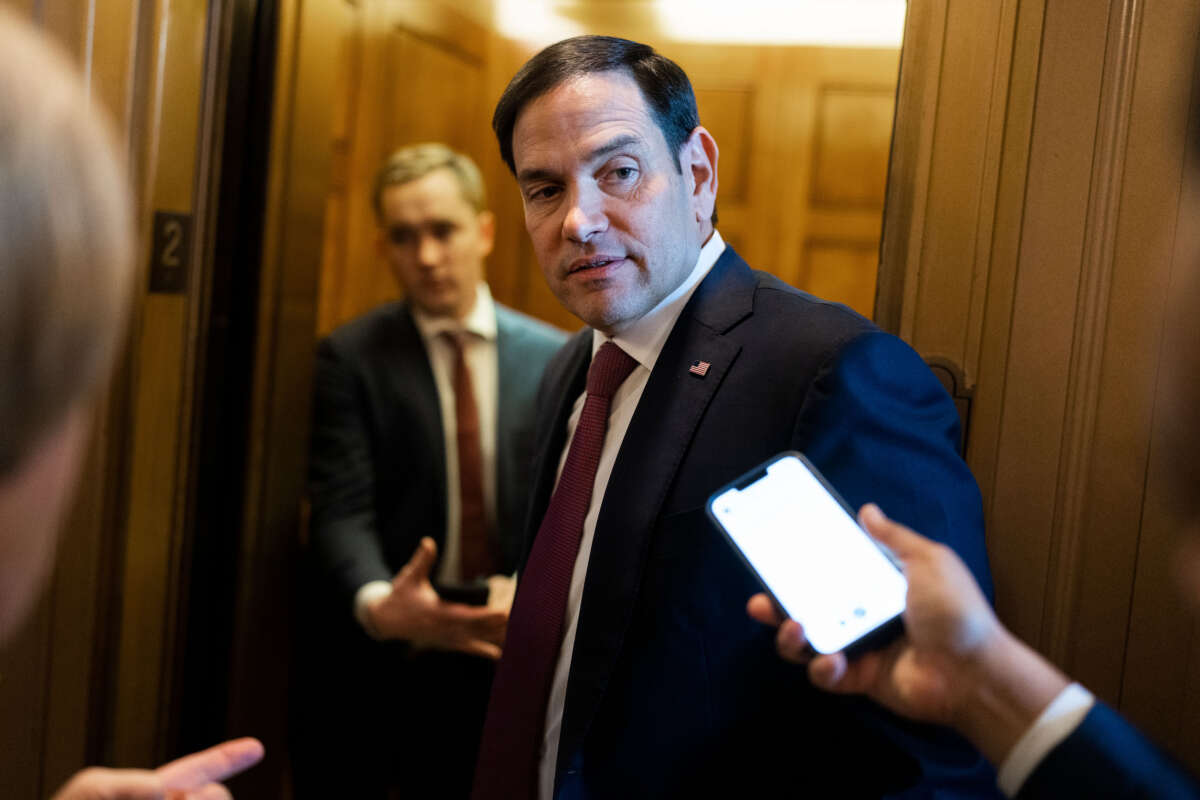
(842, 270)
(853, 136)
(1160, 687)
(162, 363)
(404, 57)
(1031, 238)
(729, 116)
(313, 38)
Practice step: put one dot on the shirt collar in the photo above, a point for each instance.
(644, 339)
(480, 320)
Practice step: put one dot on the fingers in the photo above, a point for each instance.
(211, 765)
(418, 567)
(789, 639)
(98, 783)
(791, 643)
(213, 791)
(485, 616)
(827, 671)
(479, 647)
(892, 535)
(760, 608)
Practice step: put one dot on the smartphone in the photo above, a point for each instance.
(473, 594)
(802, 541)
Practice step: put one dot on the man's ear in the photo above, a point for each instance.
(699, 162)
(487, 232)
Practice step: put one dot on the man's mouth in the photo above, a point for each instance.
(596, 263)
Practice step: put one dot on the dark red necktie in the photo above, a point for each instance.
(475, 547)
(512, 735)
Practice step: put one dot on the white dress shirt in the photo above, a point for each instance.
(1058, 721)
(482, 362)
(643, 341)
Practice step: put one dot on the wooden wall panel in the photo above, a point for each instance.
(1160, 687)
(1036, 183)
(729, 115)
(842, 270)
(1035, 402)
(348, 78)
(953, 231)
(162, 361)
(512, 271)
(408, 56)
(853, 137)
(311, 43)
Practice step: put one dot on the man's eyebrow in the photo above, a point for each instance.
(619, 143)
(531, 175)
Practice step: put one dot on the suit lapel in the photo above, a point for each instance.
(655, 444)
(412, 377)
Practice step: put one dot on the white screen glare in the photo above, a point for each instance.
(821, 566)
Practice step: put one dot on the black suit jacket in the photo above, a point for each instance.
(1105, 757)
(371, 715)
(377, 469)
(673, 690)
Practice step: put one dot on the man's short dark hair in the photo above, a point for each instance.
(664, 85)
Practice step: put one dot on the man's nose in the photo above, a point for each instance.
(429, 251)
(585, 215)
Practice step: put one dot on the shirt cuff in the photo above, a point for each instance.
(368, 593)
(1058, 721)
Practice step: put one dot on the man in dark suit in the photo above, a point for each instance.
(630, 668)
(418, 477)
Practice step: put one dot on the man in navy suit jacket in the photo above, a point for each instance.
(660, 685)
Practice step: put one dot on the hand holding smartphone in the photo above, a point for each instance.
(802, 542)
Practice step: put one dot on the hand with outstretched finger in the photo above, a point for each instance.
(413, 611)
(193, 777)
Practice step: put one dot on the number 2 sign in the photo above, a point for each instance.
(171, 254)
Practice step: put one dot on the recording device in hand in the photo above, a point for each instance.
(821, 568)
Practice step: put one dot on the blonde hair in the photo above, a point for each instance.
(66, 242)
(417, 161)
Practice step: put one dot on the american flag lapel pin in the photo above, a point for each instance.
(699, 368)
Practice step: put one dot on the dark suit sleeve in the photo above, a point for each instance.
(1105, 757)
(344, 536)
(881, 428)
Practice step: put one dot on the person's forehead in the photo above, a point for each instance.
(438, 192)
(579, 114)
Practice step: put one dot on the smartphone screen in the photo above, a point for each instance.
(824, 571)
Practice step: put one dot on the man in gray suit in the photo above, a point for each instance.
(417, 477)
